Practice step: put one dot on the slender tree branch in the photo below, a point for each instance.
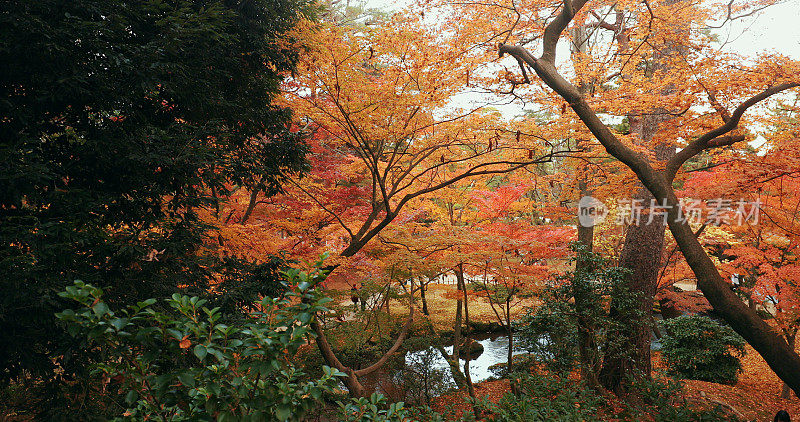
(714, 138)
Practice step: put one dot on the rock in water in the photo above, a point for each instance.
(470, 347)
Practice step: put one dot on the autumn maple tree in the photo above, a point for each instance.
(663, 66)
(377, 101)
(759, 253)
(388, 145)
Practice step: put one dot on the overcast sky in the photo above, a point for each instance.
(775, 28)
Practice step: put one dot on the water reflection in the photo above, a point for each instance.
(495, 350)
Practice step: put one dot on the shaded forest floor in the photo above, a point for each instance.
(757, 394)
(755, 397)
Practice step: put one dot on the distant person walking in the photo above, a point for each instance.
(782, 416)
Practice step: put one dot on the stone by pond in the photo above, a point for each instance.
(427, 366)
(495, 350)
(419, 375)
(471, 348)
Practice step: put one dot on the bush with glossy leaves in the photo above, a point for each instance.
(185, 362)
(375, 408)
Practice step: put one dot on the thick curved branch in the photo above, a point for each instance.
(326, 349)
(548, 73)
(714, 138)
(399, 342)
(330, 356)
(546, 70)
(554, 29)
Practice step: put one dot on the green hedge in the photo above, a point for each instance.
(697, 347)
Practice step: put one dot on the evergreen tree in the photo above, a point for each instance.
(119, 120)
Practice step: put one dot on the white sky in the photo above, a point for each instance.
(775, 28)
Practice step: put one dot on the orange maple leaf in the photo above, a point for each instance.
(185, 342)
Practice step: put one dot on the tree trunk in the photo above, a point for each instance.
(351, 381)
(466, 302)
(251, 203)
(510, 332)
(515, 388)
(467, 377)
(785, 390)
(769, 344)
(587, 345)
(467, 358)
(422, 286)
(457, 328)
(628, 355)
(641, 254)
(460, 378)
(452, 360)
(654, 324)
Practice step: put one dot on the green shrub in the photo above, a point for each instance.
(579, 302)
(374, 408)
(545, 398)
(183, 362)
(660, 403)
(696, 347)
(550, 332)
(551, 398)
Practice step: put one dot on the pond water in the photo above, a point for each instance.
(427, 366)
(495, 350)
(420, 375)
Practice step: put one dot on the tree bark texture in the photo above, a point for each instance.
(770, 344)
